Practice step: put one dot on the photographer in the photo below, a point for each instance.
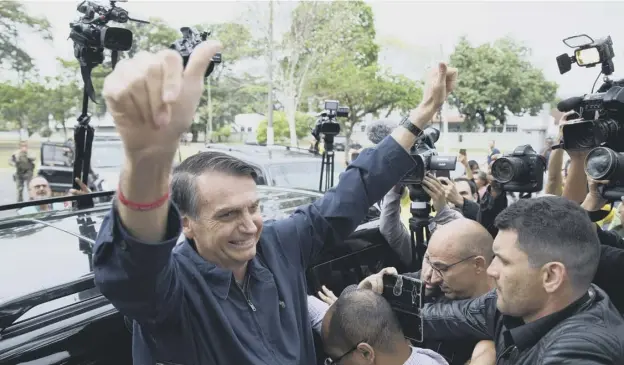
(393, 230)
(234, 292)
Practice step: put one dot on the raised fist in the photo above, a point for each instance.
(152, 99)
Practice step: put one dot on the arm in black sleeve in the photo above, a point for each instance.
(471, 210)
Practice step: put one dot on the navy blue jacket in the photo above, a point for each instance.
(186, 310)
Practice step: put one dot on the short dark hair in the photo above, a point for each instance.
(471, 183)
(472, 164)
(551, 229)
(184, 179)
(364, 316)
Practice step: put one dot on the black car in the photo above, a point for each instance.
(280, 166)
(52, 313)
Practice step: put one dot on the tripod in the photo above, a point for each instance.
(327, 164)
(419, 224)
(83, 141)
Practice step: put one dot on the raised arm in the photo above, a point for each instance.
(391, 227)
(152, 101)
(337, 214)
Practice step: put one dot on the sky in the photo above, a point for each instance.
(412, 31)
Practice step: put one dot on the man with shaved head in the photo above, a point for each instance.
(454, 267)
(379, 339)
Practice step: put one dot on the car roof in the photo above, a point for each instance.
(263, 155)
(43, 249)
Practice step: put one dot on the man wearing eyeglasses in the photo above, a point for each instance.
(454, 268)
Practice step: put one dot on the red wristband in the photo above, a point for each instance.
(141, 206)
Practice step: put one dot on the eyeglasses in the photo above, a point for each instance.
(446, 268)
(330, 361)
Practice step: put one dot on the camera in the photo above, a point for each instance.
(603, 163)
(426, 158)
(520, 172)
(327, 125)
(91, 35)
(191, 38)
(601, 113)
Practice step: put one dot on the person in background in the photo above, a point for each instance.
(482, 183)
(24, 165)
(474, 167)
(493, 152)
(39, 189)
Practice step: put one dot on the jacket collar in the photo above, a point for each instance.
(219, 279)
(525, 336)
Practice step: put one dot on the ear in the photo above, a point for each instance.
(553, 276)
(367, 352)
(480, 264)
(187, 228)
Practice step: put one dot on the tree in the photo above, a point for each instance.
(24, 106)
(14, 20)
(357, 81)
(65, 93)
(303, 123)
(152, 37)
(497, 79)
(319, 33)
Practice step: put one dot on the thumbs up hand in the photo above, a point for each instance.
(152, 99)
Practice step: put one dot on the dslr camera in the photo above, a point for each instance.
(521, 171)
(326, 123)
(426, 157)
(191, 38)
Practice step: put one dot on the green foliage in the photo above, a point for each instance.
(152, 37)
(222, 134)
(281, 131)
(355, 78)
(496, 79)
(14, 20)
(24, 106)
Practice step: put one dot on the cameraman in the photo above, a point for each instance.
(392, 229)
(611, 263)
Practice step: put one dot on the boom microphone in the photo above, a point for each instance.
(380, 129)
(569, 104)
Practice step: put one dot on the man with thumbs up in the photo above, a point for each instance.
(234, 291)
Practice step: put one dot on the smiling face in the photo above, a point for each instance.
(229, 223)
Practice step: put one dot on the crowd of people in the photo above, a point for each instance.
(525, 282)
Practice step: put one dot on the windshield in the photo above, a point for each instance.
(300, 175)
(37, 256)
(107, 155)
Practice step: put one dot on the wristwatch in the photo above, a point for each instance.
(407, 124)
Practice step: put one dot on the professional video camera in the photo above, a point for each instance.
(191, 38)
(602, 113)
(326, 124)
(91, 35)
(327, 127)
(520, 172)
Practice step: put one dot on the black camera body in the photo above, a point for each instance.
(603, 163)
(426, 158)
(327, 125)
(521, 171)
(91, 34)
(191, 38)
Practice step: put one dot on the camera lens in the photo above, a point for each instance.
(604, 164)
(506, 168)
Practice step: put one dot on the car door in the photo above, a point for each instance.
(56, 166)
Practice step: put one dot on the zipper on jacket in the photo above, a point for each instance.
(246, 292)
(505, 353)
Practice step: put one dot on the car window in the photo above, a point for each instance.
(107, 155)
(41, 255)
(297, 175)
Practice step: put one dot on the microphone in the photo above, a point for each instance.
(569, 103)
(380, 129)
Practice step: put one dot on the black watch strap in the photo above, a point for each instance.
(407, 124)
